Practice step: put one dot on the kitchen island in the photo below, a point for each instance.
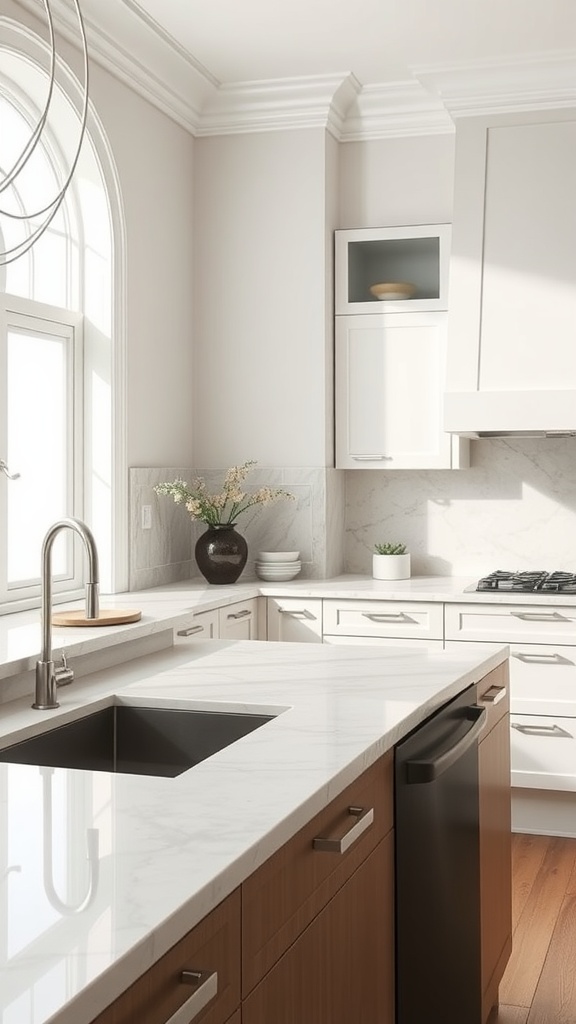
(169, 850)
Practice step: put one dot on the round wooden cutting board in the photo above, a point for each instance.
(106, 617)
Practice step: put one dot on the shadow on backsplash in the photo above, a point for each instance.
(515, 508)
(313, 524)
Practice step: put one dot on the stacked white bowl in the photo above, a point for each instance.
(276, 566)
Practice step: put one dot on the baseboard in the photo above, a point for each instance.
(544, 812)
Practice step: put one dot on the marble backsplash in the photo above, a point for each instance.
(313, 523)
(515, 508)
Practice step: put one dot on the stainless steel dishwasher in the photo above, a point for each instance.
(438, 868)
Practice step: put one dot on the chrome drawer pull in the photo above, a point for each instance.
(371, 458)
(206, 985)
(551, 659)
(296, 611)
(388, 616)
(364, 820)
(540, 616)
(190, 631)
(239, 615)
(494, 694)
(554, 731)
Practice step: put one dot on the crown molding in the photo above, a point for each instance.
(393, 110)
(134, 48)
(534, 82)
(319, 101)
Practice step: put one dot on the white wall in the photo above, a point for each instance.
(261, 311)
(154, 159)
(393, 182)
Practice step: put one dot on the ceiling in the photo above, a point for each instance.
(378, 41)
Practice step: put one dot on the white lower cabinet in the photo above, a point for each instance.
(239, 621)
(511, 623)
(542, 700)
(389, 377)
(543, 752)
(294, 619)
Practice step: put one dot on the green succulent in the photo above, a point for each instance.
(390, 549)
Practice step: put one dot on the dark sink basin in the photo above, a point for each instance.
(135, 740)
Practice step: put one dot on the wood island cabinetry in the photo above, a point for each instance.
(318, 921)
(495, 835)
(309, 937)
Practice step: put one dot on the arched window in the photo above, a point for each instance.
(61, 343)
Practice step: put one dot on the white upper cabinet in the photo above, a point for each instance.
(389, 388)
(512, 320)
(390, 353)
(416, 257)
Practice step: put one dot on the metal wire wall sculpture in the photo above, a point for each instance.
(50, 209)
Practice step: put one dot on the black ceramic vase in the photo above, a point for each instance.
(221, 554)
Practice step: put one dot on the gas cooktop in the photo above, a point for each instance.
(529, 582)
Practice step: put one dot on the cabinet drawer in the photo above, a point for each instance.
(213, 946)
(285, 894)
(543, 752)
(402, 619)
(493, 693)
(538, 624)
(543, 679)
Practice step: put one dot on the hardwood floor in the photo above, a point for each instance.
(539, 986)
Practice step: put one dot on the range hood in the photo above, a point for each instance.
(493, 414)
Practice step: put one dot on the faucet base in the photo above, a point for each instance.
(45, 687)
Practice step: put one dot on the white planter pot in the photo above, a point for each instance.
(391, 567)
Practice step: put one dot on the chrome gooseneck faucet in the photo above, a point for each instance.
(48, 678)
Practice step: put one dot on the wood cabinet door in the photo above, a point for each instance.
(341, 968)
(495, 859)
(389, 392)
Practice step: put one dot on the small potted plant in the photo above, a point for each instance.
(390, 562)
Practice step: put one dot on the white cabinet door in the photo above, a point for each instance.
(389, 393)
(513, 262)
(294, 619)
(239, 621)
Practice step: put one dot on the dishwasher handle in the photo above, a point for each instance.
(427, 770)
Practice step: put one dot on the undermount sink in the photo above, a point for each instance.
(135, 740)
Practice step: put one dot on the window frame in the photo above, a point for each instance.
(43, 319)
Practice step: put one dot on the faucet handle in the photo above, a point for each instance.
(63, 675)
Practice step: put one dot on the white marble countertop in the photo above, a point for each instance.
(169, 850)
(171, 606)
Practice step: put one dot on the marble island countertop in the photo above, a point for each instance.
(171, 607)
(169, 850)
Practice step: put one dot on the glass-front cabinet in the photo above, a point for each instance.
(390, 349)
(392, 269)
